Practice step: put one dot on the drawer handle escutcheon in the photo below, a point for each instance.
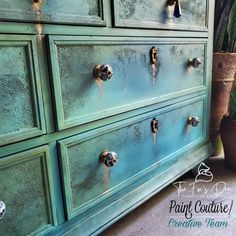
(193, 121)
(154, 56)
(154, 125)
(103, 72)
(177, 9)
(108, 158)
(195, 62)
(2, 209)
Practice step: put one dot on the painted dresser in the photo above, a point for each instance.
(102, 103)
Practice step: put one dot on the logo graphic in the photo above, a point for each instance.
(201, 203)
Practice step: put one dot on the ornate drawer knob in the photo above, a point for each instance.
(108, 158)
(2, 209)
(193, 121)
(103, 72)
(195, 62)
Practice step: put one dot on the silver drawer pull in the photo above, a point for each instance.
(177, 9)
(193, 121)
(103, 72)
(195, 62)
(108, 158)
(2, 209)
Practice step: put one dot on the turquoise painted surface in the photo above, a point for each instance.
(24, 188)
(79, 96)
(70, 11)
(155, 14)
(86, 179)
(21, 113)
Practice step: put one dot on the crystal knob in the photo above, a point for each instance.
(108, 158)
(195, 62)
(193, 121)
(103, 72)
(2, 209)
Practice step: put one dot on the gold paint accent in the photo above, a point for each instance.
(105, 177)
(154, 73)
(37, 5)
(39, 29)
(100, 84)
(154, 137)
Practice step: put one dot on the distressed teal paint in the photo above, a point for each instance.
(25, 188)
(51, 137)
(156, 14)
(20, 89)
(137, 147)
(56, 56)
(50, 11)
(80, 98)
(128, 200)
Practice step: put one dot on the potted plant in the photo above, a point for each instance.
(224, 65)
(228, 123)
(228, 130)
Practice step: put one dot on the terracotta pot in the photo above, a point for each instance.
(224, 67)
(228, 137)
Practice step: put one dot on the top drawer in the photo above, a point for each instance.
(158, 14)
(79, 12)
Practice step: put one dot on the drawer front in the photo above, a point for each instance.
(87, 181)
(157, 14)
(26, 191)
(59, 11)
(21, 106)
(80, 98)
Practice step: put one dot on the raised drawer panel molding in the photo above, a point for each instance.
(80, 98)
(142, 149)
(59, 11)
(21, 105)
(26, 191)
(158, 14)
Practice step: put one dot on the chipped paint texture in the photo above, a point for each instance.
(23, 191)
(16, 108)
(78, 11)
(132, 79)
(193, 12)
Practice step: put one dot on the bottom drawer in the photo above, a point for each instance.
(25, 189)
(87, 180)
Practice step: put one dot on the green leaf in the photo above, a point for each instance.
(231, 29)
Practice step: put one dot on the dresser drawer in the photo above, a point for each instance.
(88, 181)
(136, 82)
(60, 11)
(21, 105)
(26, 190)
(158, 14)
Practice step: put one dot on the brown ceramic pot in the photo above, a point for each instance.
(228, 137)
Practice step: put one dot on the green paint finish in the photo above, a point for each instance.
(156, 14)
(80, 98)
(21, 106)
(60, 11)
(26, 190)
(87, 181)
